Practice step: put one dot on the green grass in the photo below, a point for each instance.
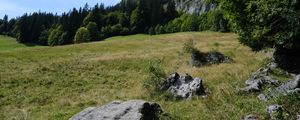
(40, 82)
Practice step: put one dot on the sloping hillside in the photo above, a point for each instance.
(40, 82)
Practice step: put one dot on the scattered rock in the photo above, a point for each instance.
(200, 59)
(118, 110)
(290, 87)
(275, 111)
(183, 86)
(261, 78)
(251, 117)
(255, 85)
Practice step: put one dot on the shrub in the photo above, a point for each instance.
(43, 38)
(82, 35)
(265, 23)
(93, 30)
(190, 24)
(116, 29)
(188, 47)
(55, 37)
(156, 76)
(151, 31)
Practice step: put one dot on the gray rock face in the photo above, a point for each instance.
(193, 6)
(275, 110)
(183, 86)
(118, 110)
(260, 78)
(251, 117)
(255, 85)
(290, 87)
(200, 59)
(298, 116)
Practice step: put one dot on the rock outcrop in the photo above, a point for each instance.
(183, 86)
(200, 59)
(250, 117)
(186, 6)
(118, 110)
(261, 78)
(194, 6)
(290, 87)
(275, 111)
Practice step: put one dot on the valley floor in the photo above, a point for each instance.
(39, 82)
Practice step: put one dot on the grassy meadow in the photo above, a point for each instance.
(41, 82)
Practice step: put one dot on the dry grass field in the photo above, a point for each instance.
(39, 82)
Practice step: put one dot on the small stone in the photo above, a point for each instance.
(262, 97)
(251, 117)
(275, 110)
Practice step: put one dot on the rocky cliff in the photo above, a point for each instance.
(186, 6)
(193, 6)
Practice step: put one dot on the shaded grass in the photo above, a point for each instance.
(42, 82)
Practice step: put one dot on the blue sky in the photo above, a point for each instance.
(15, 8)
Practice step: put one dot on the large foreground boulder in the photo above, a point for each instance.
(200, 59)
(118, 110)
(183, 86)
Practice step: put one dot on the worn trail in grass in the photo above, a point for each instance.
(39, 82)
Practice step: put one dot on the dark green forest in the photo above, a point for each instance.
(259, 23)
(98, 22)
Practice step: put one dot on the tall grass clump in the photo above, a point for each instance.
(155, 76)
(189, 47)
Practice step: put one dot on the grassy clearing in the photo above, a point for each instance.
(39, 82)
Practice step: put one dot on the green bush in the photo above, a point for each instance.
(151, 31)
(156, 75)
(93, 30)
(116, 29)
(189, 47)
(191, 23)
(265, 23)
(55, 37)
(159, 30)
(82, 35)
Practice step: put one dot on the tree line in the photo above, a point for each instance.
(98, 22)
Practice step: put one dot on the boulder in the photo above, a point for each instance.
(200, 59)
(298, 116)
(290, 87)
(118, 110)
(250, 117)
(255, 85)
(275, 111)
(183, 86)
(261, 78)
